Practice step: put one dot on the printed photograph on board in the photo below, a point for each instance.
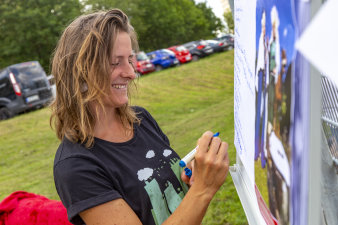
(275, 54)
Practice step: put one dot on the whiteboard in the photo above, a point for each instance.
(276, 113)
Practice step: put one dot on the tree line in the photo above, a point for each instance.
(30, 29)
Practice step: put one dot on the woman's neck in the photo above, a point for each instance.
(109, 127)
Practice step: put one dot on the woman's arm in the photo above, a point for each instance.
(116, 212)
(210, 170)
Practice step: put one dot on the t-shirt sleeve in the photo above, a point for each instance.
(82, 184)
(149, 117)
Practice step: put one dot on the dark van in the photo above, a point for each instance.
(23, 86)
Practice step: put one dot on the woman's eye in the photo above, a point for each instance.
(115, 64)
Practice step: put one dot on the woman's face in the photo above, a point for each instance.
(122, 70)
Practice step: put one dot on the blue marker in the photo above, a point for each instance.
(189, 157)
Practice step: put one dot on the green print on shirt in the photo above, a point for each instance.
(165, 204)
(175, 167)
(160, 210)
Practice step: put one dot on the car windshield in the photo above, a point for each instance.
(141, 56)
(203, 43)
(151, 55)
(168, 51)
(181, 48)
(189, 46)
(212, 42)
(28, 74)
(227, 37)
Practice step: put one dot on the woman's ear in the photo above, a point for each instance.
(84, 88)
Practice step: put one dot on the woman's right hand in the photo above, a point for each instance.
(211, 164)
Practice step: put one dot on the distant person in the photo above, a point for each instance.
(261, 100)
(274, 70)
(114, 164)
(277, 176)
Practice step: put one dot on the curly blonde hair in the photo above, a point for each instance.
(81, 67)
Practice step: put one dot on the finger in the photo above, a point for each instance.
(189, 164)
(226, 159)
(223, 151)
(223, 157)
(204, 142)
(227, 162)
(214, 146)
(184, 177)
(191, 181)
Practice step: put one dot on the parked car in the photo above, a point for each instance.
(51, 81)
(198, 49)
(23, 86)
(182, 53)
(143, 65)
(217, 46)
(163, 58)
(228, 40)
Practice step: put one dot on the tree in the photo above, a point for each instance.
(163, 23)
(29, 29)
(214, 23)
(230, 21)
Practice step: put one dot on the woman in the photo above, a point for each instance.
(114, 164)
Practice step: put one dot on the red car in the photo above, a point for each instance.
(182, 53)
(143, 65)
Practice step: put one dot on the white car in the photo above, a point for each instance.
(52, 84)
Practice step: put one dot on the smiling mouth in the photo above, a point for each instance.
(119, 86)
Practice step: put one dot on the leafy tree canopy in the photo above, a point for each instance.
(230, 21)
(29, 29)
(163, 23)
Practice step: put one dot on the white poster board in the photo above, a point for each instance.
(271, 111)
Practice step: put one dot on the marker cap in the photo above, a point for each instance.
(182, 163)
(188, 172)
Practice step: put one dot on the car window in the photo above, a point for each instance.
(189, 46)
(168, 52)
(6, 89)
(28, 75)
(181, 48)
(141, 56)
(212, 42)
(151, 55)
(27, 72)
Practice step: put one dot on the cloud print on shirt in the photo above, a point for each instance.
(167, 152)
(150, 154)
(145, 173)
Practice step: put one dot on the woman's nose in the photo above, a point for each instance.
(129, 71)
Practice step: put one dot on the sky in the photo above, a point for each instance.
(216, 7)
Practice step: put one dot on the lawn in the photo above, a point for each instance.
(185, 100)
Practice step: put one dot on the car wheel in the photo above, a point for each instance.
(5, 114)
(158, 68)
(230, 47)
(195, 57)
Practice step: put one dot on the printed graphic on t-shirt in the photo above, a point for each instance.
(164, 202)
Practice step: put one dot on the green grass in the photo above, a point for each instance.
(185, 101)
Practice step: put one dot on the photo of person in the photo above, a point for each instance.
(275, 37)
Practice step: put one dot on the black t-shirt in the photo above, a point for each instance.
(143, 171)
